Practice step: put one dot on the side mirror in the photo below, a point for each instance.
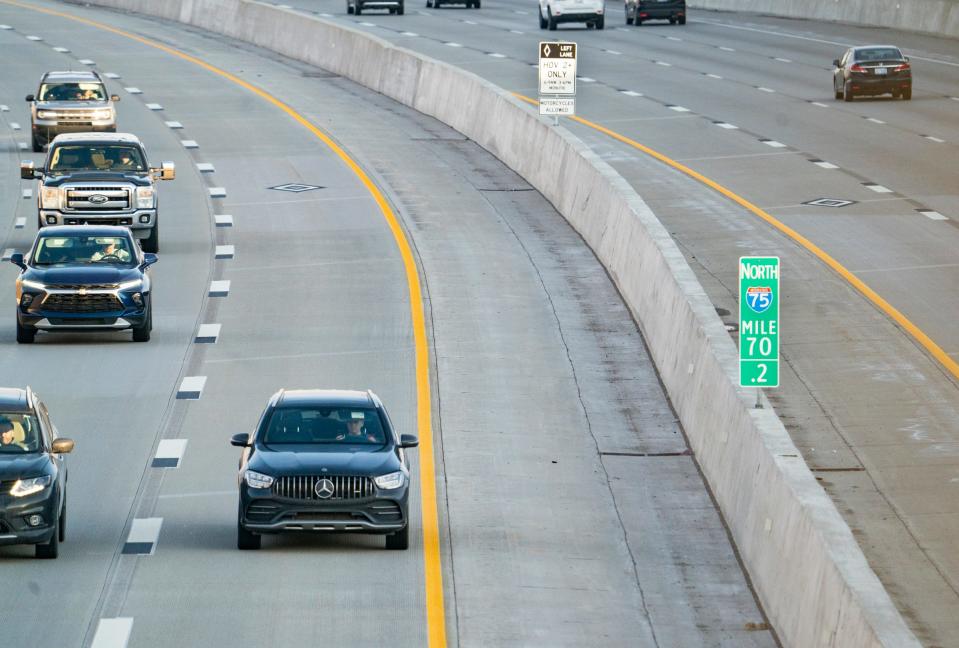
(17, 259)
(30, 98)
(835, 62)
(148, 260)
(27, 172)
(409, 441)
(167, 171)
(62, 446)
(114, 98)
(906, 58)
(240, 440)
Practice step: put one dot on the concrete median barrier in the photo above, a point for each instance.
(805, 564)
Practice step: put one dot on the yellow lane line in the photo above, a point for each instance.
(934, 349)
(435, 611)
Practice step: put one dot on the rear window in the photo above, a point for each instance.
(326, 426)
(878, 54)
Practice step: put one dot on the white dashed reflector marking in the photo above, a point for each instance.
(613, 52)
(217, 192)
(154, 106)
(954, 98)
(678, 108)
(14, 125)
(189, 144)
(22, 146)
(27, 193)
(825, 165)
(587, 79)
(713, 76)
(408, 34)
(20, 223)
(207, 334)
(144, 533)
(9, 252)
(469, 22)
(673, 38)
(326, 15)
(727, 49)
(523, 13)
(773, 143)
(223, 220)
(111, 75)
(368, 24)
(4, 108)
(631, 93)
(783, 60)
(726, 125)
(191, 388)
(762, 89)
(86, 62)
(169, 453)
(134, 90)
(453, 45)
(934, 139)
(113, 633)
(5, 27)
(173, 124)
(205, 167)
(224, 252)
(496, 55)
(62, 50)
(664, 64)
(819, 104)
(516, 31)
(874, 120)
(34, 38)
(878, 188)
(934, 215)
(220, 288)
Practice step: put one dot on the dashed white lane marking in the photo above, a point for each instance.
(9, 252)
(631, 93)
(713, 76)
(326, 15)
(469, 22)
(173, 124)
(5, 27)
(191, 144)
(934, 215)
(587, 79)
(819, 104)
(522, 13)
(782, 60)
(516, 31)
(134, 90)
(62, 50)
(14, 125)
(220, 288)
(34, 38)
(726, 125)
(534, 65)
(937, 140)
(207, 334)
(87, 62)
(773, 143)
(613, 52)
(144, 533)
(191, 387)
(496, 55)
(408, 34)
(878, 188)
(22, 146)
(664, 64)
(874, 120)
(673, 38)
(111, 75)
(113, 633)
(224, 252)
(954, 98)
(4, 108)
(154, 106)
(762, 89)
(368, 24)
(205, 167)
(453, 44)
(223, 220)
(20, 222)
(217, 192)
(825, 165)
(169, 452)
(727, 49)
(678, 108)
(27, 194)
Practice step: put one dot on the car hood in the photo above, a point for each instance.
(15, 466)
(81, 274)
(142, 180)
(278, 461)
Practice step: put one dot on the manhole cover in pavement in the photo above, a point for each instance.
(294, 187)
(830, 202)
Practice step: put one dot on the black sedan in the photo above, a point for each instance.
(33, 499)
(872, 70)
(84, 278)
(324, 461)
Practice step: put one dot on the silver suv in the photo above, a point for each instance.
(70, 102)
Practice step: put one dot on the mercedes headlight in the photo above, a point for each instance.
(127, 285)
(103, 113)
(144, 197)
(391, 481)
(50, 197)
(257, 480)
(24, 487)
(46, 114)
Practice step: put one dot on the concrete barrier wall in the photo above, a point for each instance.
(940, 17)
(810, 574)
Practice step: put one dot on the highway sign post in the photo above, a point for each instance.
(557, 78)
(759, 299)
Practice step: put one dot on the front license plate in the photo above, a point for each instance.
(880, 71)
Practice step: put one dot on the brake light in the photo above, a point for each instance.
(857, 68)
(901, 68)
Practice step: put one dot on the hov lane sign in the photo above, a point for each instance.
(759, 299)
(557, 68)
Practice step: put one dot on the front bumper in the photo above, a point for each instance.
(140, 221)
(129, 316)
(14, 511)
(44, 131)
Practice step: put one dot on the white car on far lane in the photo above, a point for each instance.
(553, 12)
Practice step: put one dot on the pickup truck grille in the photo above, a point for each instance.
(98, 199)
(77, 303)
(303, 487)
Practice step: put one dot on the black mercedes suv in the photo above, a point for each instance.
(33, 477)
(324, 461)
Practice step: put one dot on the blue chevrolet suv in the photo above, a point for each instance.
(84, 278)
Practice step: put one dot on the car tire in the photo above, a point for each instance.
(601, 23)
(400, 10)
(837, 92)
(399, 540)
(629, 20)
(142, 333)
(436, 4)
(429, 4)
(349, 8)
(682, 20)
(638, 22)
(357, 9)
(49, 550)
(672, 21)
(847, 92)
(907, 94)
(37, 146)
(477, 4)
(25, 335)
(62, 527)
(247, 540)
(152, 242)
(550, 21)
(542, 21)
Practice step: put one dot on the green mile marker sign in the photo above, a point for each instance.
(759, 299)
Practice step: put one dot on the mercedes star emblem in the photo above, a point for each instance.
(324, 488)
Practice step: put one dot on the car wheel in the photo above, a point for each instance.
(638, 22)
(142, 333)
(907, 93)
(682, 20)
(550, 21)
(429, 4)
(672, 21)
(590, 25)
(349, 8)
(629, 19)
(400, 10)
(25, 335)
(62, 528)
(542, 21)
(476, 4)
(37, 146)
(357, 9)
(836, 91)
(847, 92)
(436, 4)
(601, 23)
(51, 549)
(247, 540)
(399, 540)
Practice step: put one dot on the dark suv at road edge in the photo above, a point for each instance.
(324, 461)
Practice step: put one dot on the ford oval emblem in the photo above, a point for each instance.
(98, 199)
